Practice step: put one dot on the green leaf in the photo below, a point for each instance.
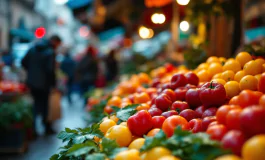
(151, 142)
(96, 156)
(80, 149)
(115, 108)
(66, 135)
(54, 157)
(124, 113)
(115, 151)
(108, 145)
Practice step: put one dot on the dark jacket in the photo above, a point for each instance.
(87, 70)
(39, 63)
(68, 66)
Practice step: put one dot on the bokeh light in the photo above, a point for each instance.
(184, 26)
(145, 33)
(40, 32)
(158, 18)
(84, 31)
(61, 2)
(183, 2)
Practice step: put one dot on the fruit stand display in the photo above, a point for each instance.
(16, 117)
(216, 111)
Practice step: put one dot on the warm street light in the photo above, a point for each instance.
(183, 2)
(145, 33)
(158, 18)
(184, 26)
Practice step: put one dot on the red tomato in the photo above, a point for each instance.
(261, 84)
(248, 98)
(189, 114)
(222, 112)
(181, 93)
(163, 102)
(209, 112)
(156, 82)
(206, 121)
(213, 123)
(252, 120)
(217, 132)
(233, 119)
(212, 94)
(169, 113)
(179, 106)
(108, 109)
(200, 110)
(192, 78)
(234, 101)
(234, 140)
(154, 111)
(158, 121)
(178, 80)
(140, 123)
(169, 67)
(193, 97)
(172, 122)
(171, 94)
(196, 125)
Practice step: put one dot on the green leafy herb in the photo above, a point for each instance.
(124, 113)
(96, 156)
(186, 145)
(110, 147)
(80, 149)
(151, 142)
(97, 112)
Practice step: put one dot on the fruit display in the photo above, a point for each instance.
(12, 87)
(214, 112)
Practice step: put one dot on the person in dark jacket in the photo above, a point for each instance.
(111, 66)
(39, 63)
(87, 70)
(68, 67)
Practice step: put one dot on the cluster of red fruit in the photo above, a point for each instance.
(185, 103)
(8, 87)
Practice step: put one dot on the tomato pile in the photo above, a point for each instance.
(223, 98)
(11, 87)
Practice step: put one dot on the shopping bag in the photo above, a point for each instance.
(54, 106)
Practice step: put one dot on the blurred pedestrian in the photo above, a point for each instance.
(111, 66)
(87, 70)
(39, 63)
(68, 67)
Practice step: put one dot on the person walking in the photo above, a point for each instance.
(68, 67)
(111, 66)
(39, 63)
(86, 71)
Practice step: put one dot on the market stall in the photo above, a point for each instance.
(215, 111)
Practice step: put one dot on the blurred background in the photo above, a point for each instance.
(124, 37)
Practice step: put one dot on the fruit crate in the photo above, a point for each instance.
(13, 140)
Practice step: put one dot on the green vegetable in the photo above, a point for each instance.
(186, 145)
(124, 113)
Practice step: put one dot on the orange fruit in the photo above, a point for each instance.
(132, 154)
(213, 59)
(243, 58)
(262, 100)
(217, 76)
(143, 78)
(239, 75)
(263, 68)
(218, 80)
(143, 106)
(121, 134)
(228, 75)
(248, 82)
(252, 68)
(203, 66)
(204, 76)
(228, 157)
(153, 132)
(232, 65)
(222, 60)
(141, 98)
(215, 68)
(137, 143)
(254, 148)
(232, 89)
(106, 124)
(258, 76)
(260, 61)
(114, 101)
